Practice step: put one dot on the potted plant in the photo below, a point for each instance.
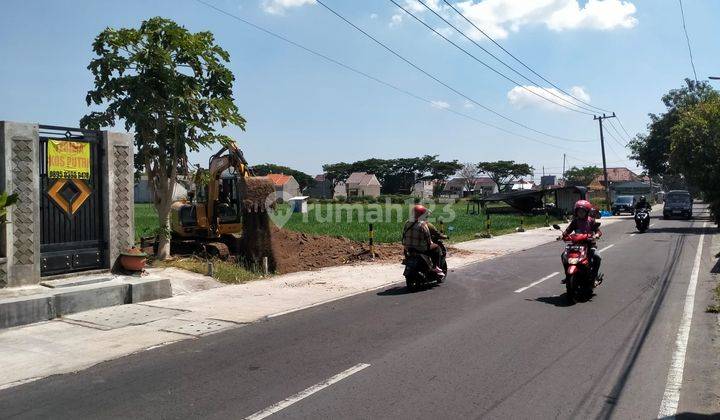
(133, 259)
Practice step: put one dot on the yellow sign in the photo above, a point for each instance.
(68, 159)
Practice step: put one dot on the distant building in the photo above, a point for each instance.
(340, 190)
(523, 185)
(284, 185)
(361, 184)
(322, 188)
(615, 175)
(462, 187)
(547, 181)
(144, 195)
(423, 189)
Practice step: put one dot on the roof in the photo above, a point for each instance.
(526, 200)
(618, 175)
(459, 182)
(320, 178)
(278, 179)
(361, 179)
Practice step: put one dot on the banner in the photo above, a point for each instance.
(68, 159)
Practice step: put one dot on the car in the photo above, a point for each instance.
(678, 203)
(623, 204)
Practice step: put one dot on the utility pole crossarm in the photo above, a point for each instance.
(602, 147)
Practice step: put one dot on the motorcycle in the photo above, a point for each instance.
(419, 267)
(642, 220)
(579, 281)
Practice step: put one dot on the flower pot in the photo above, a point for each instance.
(133, 259)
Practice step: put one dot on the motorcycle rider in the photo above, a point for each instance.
(642, 204)
(583, 223)
(417, 236)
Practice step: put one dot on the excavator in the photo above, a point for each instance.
(211, 220)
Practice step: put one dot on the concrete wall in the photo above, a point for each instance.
(20, 173)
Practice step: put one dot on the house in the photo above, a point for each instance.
(521, 184)
(285, 185)
(458, 187)
(340, 190)
(614, 175)
(322, 188)
(361, 184)
(143, 194)
(423, 189)
(634, 188)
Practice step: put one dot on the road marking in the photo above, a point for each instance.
(633, 234)
(606, 248)
(671, 397)
(651, 225)
(522, 289)
(287, 402)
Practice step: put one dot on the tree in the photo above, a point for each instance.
(652, 150)
(695, 148)
(303, 179)
(337, 172)
(582, 176)
(468, 172)
(504, 172)
(172, 88)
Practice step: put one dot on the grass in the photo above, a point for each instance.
(351, 221)
(223, 271)
(715, 308)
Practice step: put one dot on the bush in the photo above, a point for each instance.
(340, 198)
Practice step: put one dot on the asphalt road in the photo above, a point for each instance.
(472, 347)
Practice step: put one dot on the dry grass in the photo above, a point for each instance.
(223, 271)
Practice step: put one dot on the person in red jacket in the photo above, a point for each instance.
(583, 223)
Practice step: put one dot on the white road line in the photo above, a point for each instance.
(522, 289)
(671, 397)
(606, 248)
(287, 402)
(651, 225)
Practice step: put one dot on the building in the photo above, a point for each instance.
(142, 193)
(458, 187)
(423, 189)
(285, 185)
(361, 184)
(521, 184)
(615, 175)
(322, 188)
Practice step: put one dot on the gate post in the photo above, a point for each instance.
(118, 184)
(20, 173)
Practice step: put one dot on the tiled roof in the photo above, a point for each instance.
(278, 179)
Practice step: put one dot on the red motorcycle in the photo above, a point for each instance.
(579, 281)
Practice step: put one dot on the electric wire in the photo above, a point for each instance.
(518, 60)
(446, 85)
(373, 78)
(687, 38)
(496, 58)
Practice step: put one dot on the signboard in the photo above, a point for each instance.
(68, 159)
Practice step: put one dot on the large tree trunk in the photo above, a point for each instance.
(163, 188)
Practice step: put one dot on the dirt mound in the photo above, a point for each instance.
(295, 251)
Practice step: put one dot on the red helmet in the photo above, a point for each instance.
(582, 204)
(419, 210)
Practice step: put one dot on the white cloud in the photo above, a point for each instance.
(278, 7)
(500, 18)
(373, 16)
(520, 97)
(440, 104)
(395, 20)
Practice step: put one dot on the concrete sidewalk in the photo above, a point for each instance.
(78, 341)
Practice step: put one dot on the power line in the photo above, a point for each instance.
(371, 77)
(437, 80)
(623, 128)
(619, 142)
(517, 59)
(687, 38)
(495, 57)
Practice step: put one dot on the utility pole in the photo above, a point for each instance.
(563, 172)
(602, 147)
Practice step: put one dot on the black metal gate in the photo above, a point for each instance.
(72, 235)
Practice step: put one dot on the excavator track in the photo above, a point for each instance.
(217, 250)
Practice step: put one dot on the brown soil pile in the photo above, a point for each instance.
(254, 192)
(294, 251)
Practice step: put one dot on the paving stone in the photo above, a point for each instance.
(121, 316)
(192, 327)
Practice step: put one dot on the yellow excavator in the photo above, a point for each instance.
(210, 220)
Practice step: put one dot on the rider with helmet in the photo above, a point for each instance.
(583, 223)
(642, 204)
(418, 236)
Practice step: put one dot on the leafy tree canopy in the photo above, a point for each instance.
(582, 176)
(504, 172)
(302, 178)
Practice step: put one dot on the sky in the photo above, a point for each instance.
(303, 111)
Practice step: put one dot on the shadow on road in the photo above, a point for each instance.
(693, 416)
(403, 290)
(559, 301)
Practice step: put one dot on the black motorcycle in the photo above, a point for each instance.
(642, 219)
(419, 267)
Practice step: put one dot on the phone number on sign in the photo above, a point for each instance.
(69, 175)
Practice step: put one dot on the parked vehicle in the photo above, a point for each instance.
(642, 220)
(678, 203)
(623, 204)
(579, 281)
(419, 267)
